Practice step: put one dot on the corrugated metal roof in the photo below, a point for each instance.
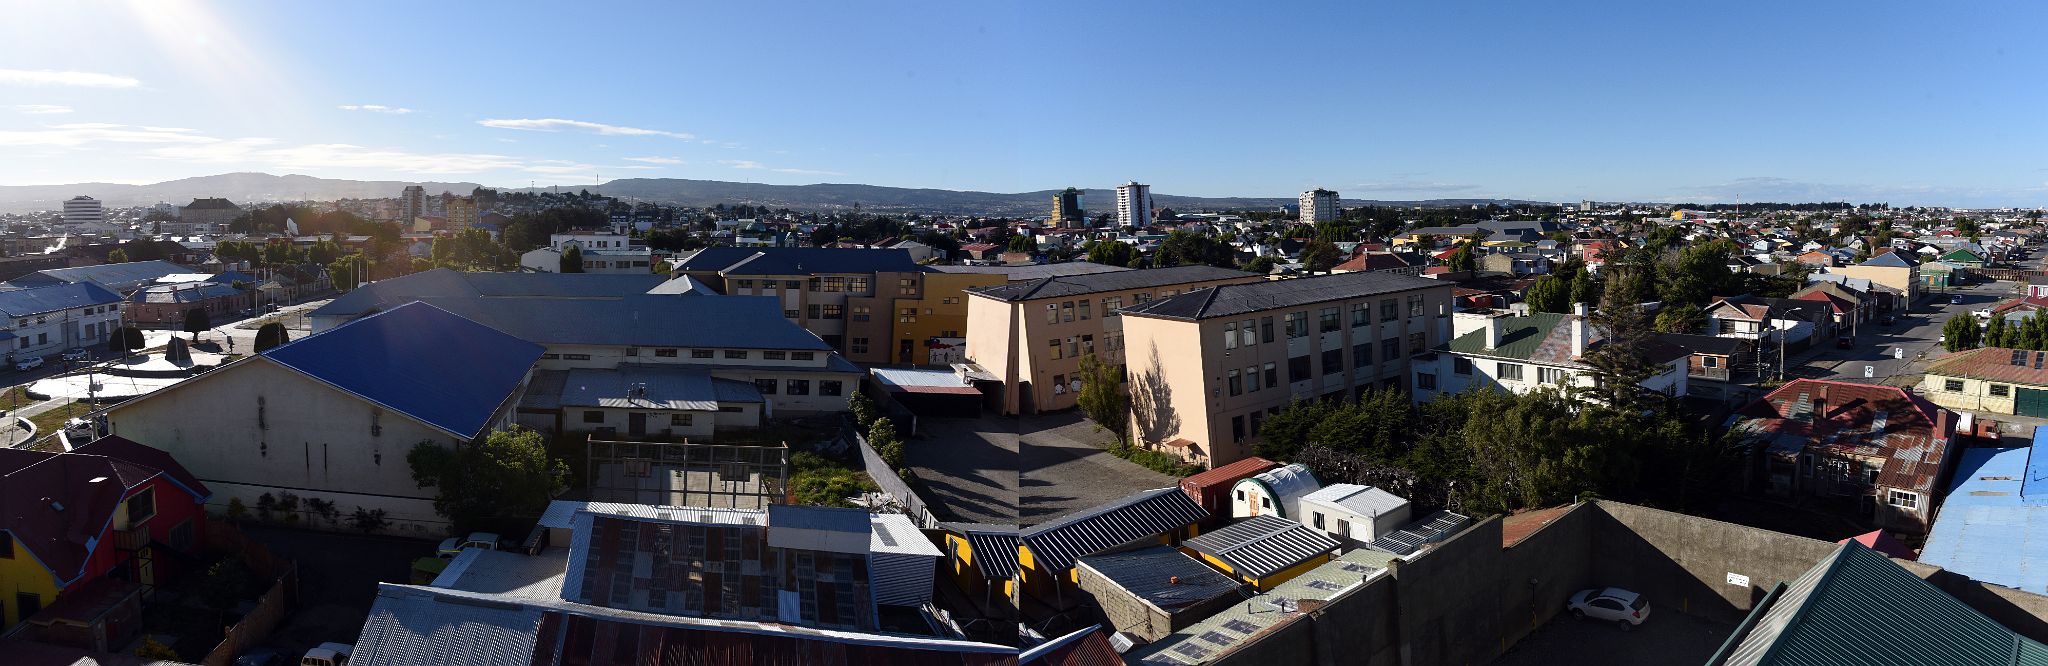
(641, 320)
(1858, 606)
(442, 282)
(1263, 545)
(740, 261)
(1161, 575)
(124, 275)
(1989, 528)
(1087, 647)
(1236, 299)
(38, 300)
(1287, 485)
(1056, 544)
(1210, 639)
(1362, 500)
(643, 386)
(411, 626)
(1094, 283)
(402, 359)
(897, 533)
(995, 547)
(1034, 271)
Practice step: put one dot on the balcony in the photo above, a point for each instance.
(131, 539)
(1715, 374)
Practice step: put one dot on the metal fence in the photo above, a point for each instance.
(913, 505)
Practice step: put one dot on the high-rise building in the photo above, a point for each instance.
(1319, 205)
(1066, 208)
(411, 204)
(462, 213)
(1134, 205)
(82, 209)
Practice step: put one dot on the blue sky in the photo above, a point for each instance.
(1911, 103)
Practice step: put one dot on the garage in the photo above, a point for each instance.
(2030, 402)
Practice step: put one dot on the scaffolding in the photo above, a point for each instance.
(688, 474)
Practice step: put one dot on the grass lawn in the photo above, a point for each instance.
(48, 422)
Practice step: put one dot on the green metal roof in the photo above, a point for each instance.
(1857, 606)
(1520, 337)
(1962, 254)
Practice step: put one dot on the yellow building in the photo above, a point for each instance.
(1992, 379)
(1264, 550)
(908, 310)
(982, 559)
(1048, 551)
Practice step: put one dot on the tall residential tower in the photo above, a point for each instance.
(1319, 205)
(1134, 205)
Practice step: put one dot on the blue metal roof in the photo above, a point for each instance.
(386, 294)
(115, 275)
(38, 300)
(733, 260)
(446, 371)
(1989, 528)
(737, 322)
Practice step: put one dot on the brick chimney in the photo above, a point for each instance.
(1820, 404)
(1579, 314)
(1941, 433)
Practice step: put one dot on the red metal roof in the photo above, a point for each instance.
(57, 504)
(1913, 439)
(1882, 541)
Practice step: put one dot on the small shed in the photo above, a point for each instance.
(1352, 513)
(1264, 550)
(929, 392)
(1276, 491)
(901, 561)
(1211, 489)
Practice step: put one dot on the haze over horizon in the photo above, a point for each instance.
(1824, 102)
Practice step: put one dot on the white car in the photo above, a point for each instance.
(77, 354)
(1983, 314)
(29, 363)
(451, 547)
(328, 654)
(1612, 604)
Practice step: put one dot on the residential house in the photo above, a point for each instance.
(1816, 259)
(332, 416)
(2037, 286)
(1033, 335)
(1715, 365)
(1515, 263)
(44, 320)
(1992, 380)
(107, 521)
(1894, 270)
(1206, 367)
(168, 305)
(1519, 354)
(1399, 263)
(1870, 450)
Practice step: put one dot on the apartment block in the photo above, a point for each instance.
(1206, 369)
(1033, 335)
(872, 306)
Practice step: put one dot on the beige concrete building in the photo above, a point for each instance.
(1032, 335)
(1206, 369)
(1992, 380)
(1894, 270)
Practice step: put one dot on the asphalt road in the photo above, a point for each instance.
(1897, 351)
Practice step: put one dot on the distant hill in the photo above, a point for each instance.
(247, 188)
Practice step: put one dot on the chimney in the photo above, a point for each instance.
(1941, 425)
(1820, 404)
(1578, 330)
(1493, 332)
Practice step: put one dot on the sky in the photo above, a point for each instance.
(1899, 102)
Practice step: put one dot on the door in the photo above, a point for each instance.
(636, 424)
(2030, 402)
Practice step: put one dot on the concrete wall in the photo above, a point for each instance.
(2024, 612)
(1129, 614)
(1683, 562)
(1975, 396)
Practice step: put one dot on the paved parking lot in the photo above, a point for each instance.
(1066, 469)
(1666, 638)
(1020, 471)
(967, 468)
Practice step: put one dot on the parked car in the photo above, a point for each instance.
(1612, 604)
(77, 354)
(1845, 342)
(328, 654)
(1983, 314)
(1956, 299)
(451, 547)
(29, 363)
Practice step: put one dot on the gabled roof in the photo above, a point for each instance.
(55, 297)
(1908, 441)
(995, 547)
(1227, 474)
(1890, 260)
(1236, 299)
(420, 360)
(55, 505)
(1092, 283)
(1998, 364)
(1994, 523)
(1055, 545)
(441, 282)
(743, 261)
(417, 626)
(1859, 606)
(1358, 499)
(110, 275)
(1263, 545)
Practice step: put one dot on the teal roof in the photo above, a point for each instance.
(1521, 338)
(1857, 606)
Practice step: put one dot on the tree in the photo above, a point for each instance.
(862, 409)
(1998, 334)
(882, 437)
(126, 339)
(1551, 293)
(271, 335)
(1701, 271)
(1685, 318)
(197, 321)
(572, 259)
(1282, 434)
(508, 474)
(1260, 265)
(1318, 256)
(1023, 243)
(1621, 360)
(1960, 333)
(1461, 259)
(1186, 248)
(117, 256)
(349, 271)
(1103, 398)
(1112, 253)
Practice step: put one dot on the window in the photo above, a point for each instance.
(1297, 324)
(632, 351)
(1903, 499)
(664, 353)
(1085, 306)
(1509, 372)
(1461, 365)
(857, 284)
(181, 536)
(861, 312)
(684, 420)
(1074, 347)
(1297, 369)
(746, 284)
(1057, 349)
(1361, 354)
(1417, 343)
(593, 416)
(1952, 385)
(1390, 349)
(1272, 376)
(834, 312)
(1088, 344)
(907, 316)
(1415, 305)
(789, 314)
(1250, 336)
(1425, 381)
(1237, 428)
(1266, 502)
(1240, 496)
(1052, 313)
(773, 355)
(831, 387)
(802, 356)
(860, 345)
(1230, 336)
(832, 284)
(1236, 383)
(2000, 390)
(1333, 360)
(1343, 527)
(1710, 361)
(736, 353)
(700, 353)
(1265, 329)
(1361, 314)
(1067, 311)
(1390, 310)
(1251, 379)
(1316, 519)
(813, 311)
(575, 357)
(141, 507)
(799, 387)
(1550, 375)
(765, 386)
(907, 285)
(1111, 305)
(1326, 320)
(792, 284)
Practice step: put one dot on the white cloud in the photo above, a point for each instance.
(653, 160)
(41, 109)
(750, 164)
(51, 77)
(79, 134)
(376, 108)
(558, 124)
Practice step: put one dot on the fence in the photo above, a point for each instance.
(271, 608)
(913, 505)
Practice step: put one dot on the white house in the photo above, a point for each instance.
(1353, 513)
(1519, 354)
(45, 320)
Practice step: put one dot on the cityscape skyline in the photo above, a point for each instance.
(1513, 103)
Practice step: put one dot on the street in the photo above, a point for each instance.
(1896, 351)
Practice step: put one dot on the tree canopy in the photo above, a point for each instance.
(508, 474)
(1186, 248)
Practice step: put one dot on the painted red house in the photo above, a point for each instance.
(84, 535)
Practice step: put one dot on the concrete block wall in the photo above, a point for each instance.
(1683, 563)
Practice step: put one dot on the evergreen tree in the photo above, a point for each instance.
(572, 259)
(1551, 293)
(1997, 334)
(1960, 333)
(1103, 397)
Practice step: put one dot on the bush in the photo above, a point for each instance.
(822, 481)
(862, 408)
(1155, 461)
(150, 649)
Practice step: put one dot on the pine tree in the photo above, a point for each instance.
(1960, 333)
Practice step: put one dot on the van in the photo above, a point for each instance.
(328, 654)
